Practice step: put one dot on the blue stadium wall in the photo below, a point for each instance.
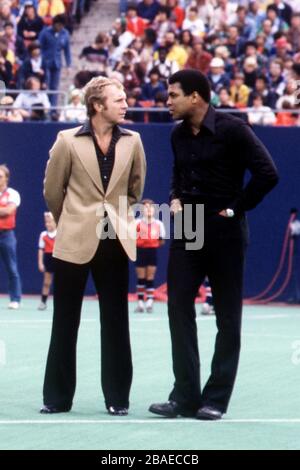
(24, 148)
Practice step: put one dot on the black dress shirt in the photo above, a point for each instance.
(106, 162)
(209, 168)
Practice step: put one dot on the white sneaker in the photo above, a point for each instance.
(14, 305)
(42, 306)
(140, 307)
(149, 306)
(207, 309)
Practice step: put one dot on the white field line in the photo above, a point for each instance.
(158, 421)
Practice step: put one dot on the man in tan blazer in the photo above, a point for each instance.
(94, 175)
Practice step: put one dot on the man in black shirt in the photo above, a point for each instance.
(212, 151)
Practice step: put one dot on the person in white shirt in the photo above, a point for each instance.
(75, 111)
(193, 23)
(260, 114)
(32, 98)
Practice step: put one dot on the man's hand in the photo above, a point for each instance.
(175, 206)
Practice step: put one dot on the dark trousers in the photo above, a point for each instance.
(109, 269)
(222, 260)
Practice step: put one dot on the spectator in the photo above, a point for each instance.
(165, 67)
(246, 26)
(149, 90)
(120, 39)
(55, 39)
(239, 92)
(6, 70)
(261, 87)
(96, 52)
(175, 51)
(160, 101)
(6, 15)
(260, 114)
(9, 202)
(148, 9)
(224, 100)
(286, 118)
(276, 79)
(7, 112)
(177, 13)
(162, 23)
(34, 66)
(199, 59)
(149, 46)
(278, 24)
(193, 23)
(283, 49)
(235, 44)
(30, 24)
(14, 43)
(133, 116)
(31, 98)
(284, 11)
(135, 24)
(250, 71)
(289, 95)
(217, 76)
(294, 32)
(224, 15)
(75, 111)
(206, 12)
(186, 40)
(127, 67)
(267, 30)
(48, 9)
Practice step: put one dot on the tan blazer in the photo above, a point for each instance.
(74, 193)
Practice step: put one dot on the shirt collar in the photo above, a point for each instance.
(208, 121)
(86, 129)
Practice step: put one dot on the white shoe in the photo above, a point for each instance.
(140, 307)
(42, 306)
(207, 309)
(14, 305)
(149, 306)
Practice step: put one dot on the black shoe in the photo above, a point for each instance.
(117, 410)
(171, 409)
(49, 409)
(209, 413)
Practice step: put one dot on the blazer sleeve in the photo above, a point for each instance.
(57, 176)
(137, 175)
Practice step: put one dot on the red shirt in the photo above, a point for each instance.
(7, 197)
(149, 234)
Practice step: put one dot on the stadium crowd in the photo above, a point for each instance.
(249, 50)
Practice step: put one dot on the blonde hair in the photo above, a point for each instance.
(48, 215)
(94, 92)
(5, 170)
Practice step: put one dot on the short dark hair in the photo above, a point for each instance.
(190, 81)
(59, 19)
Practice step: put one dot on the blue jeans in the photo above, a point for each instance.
(8, 253)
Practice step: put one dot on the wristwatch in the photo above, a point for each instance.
(229, 212)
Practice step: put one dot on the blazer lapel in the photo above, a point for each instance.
(85, 150)
(122, 157)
